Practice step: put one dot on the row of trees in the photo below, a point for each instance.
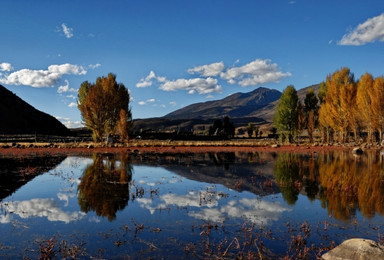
(223, 128)
(352, 107)
(342, 106)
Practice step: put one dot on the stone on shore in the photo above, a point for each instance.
(356, 248)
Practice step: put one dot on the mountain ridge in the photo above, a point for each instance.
(19, 117)
(257, 106)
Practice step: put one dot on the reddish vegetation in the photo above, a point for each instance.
(165, 149)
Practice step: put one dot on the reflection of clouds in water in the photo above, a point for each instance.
(190, 200)
(5, 219)
(63, 197)
(41, 208)
(208, 214)
(147, 204)
(75, 162)
(254, 210)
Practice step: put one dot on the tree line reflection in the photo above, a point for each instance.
(343, 183)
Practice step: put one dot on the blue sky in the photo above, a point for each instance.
(170, 54)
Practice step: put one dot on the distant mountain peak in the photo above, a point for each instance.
(235, 105)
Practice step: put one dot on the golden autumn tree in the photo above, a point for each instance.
(101, 105)
(365, 100)
(378, 105)
(335, 112)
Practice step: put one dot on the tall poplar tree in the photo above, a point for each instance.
(335, 111)
(286, 116)
(101, 106)
(378, 105)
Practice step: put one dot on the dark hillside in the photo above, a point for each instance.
(18, 117)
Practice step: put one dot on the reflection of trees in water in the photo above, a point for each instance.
(225, 159)
(104, 187)
(287, 171)
(353, 183)
(342, 182)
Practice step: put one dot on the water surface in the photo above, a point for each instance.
(188, 205)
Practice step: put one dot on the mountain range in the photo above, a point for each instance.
(257, 106)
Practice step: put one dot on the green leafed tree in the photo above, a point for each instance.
(311, 112)
(250, 129)
(104, 107)
(286, 116)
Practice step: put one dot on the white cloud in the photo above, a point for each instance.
(254, 73)
(66, 88)
(69, 123)
(369, 31)
(173, 103)
(5, 66)
(42, 78)
(71, 96)
(94, 66)
(72, 104)
(147, 81)
(210, 70)
(199, 85)
(142, 103)
(68, 32)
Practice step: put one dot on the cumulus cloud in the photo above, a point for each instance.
(5, 66)
(369, 31)
(210, 70)
(199, 85)
(68, 32)
(148, 80)
(42, 78)
(254, 73)
(65, 88)
(72, 104)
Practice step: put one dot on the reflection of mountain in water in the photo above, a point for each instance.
(15, 172)
(253, 171)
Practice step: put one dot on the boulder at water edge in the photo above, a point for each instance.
(356, 248)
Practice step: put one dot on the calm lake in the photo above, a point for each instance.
(225, 205)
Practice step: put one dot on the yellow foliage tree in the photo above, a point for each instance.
(101, 104)
(378, 105)
(365, 100)
(336, 111)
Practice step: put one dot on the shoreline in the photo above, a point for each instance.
(160, 147)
